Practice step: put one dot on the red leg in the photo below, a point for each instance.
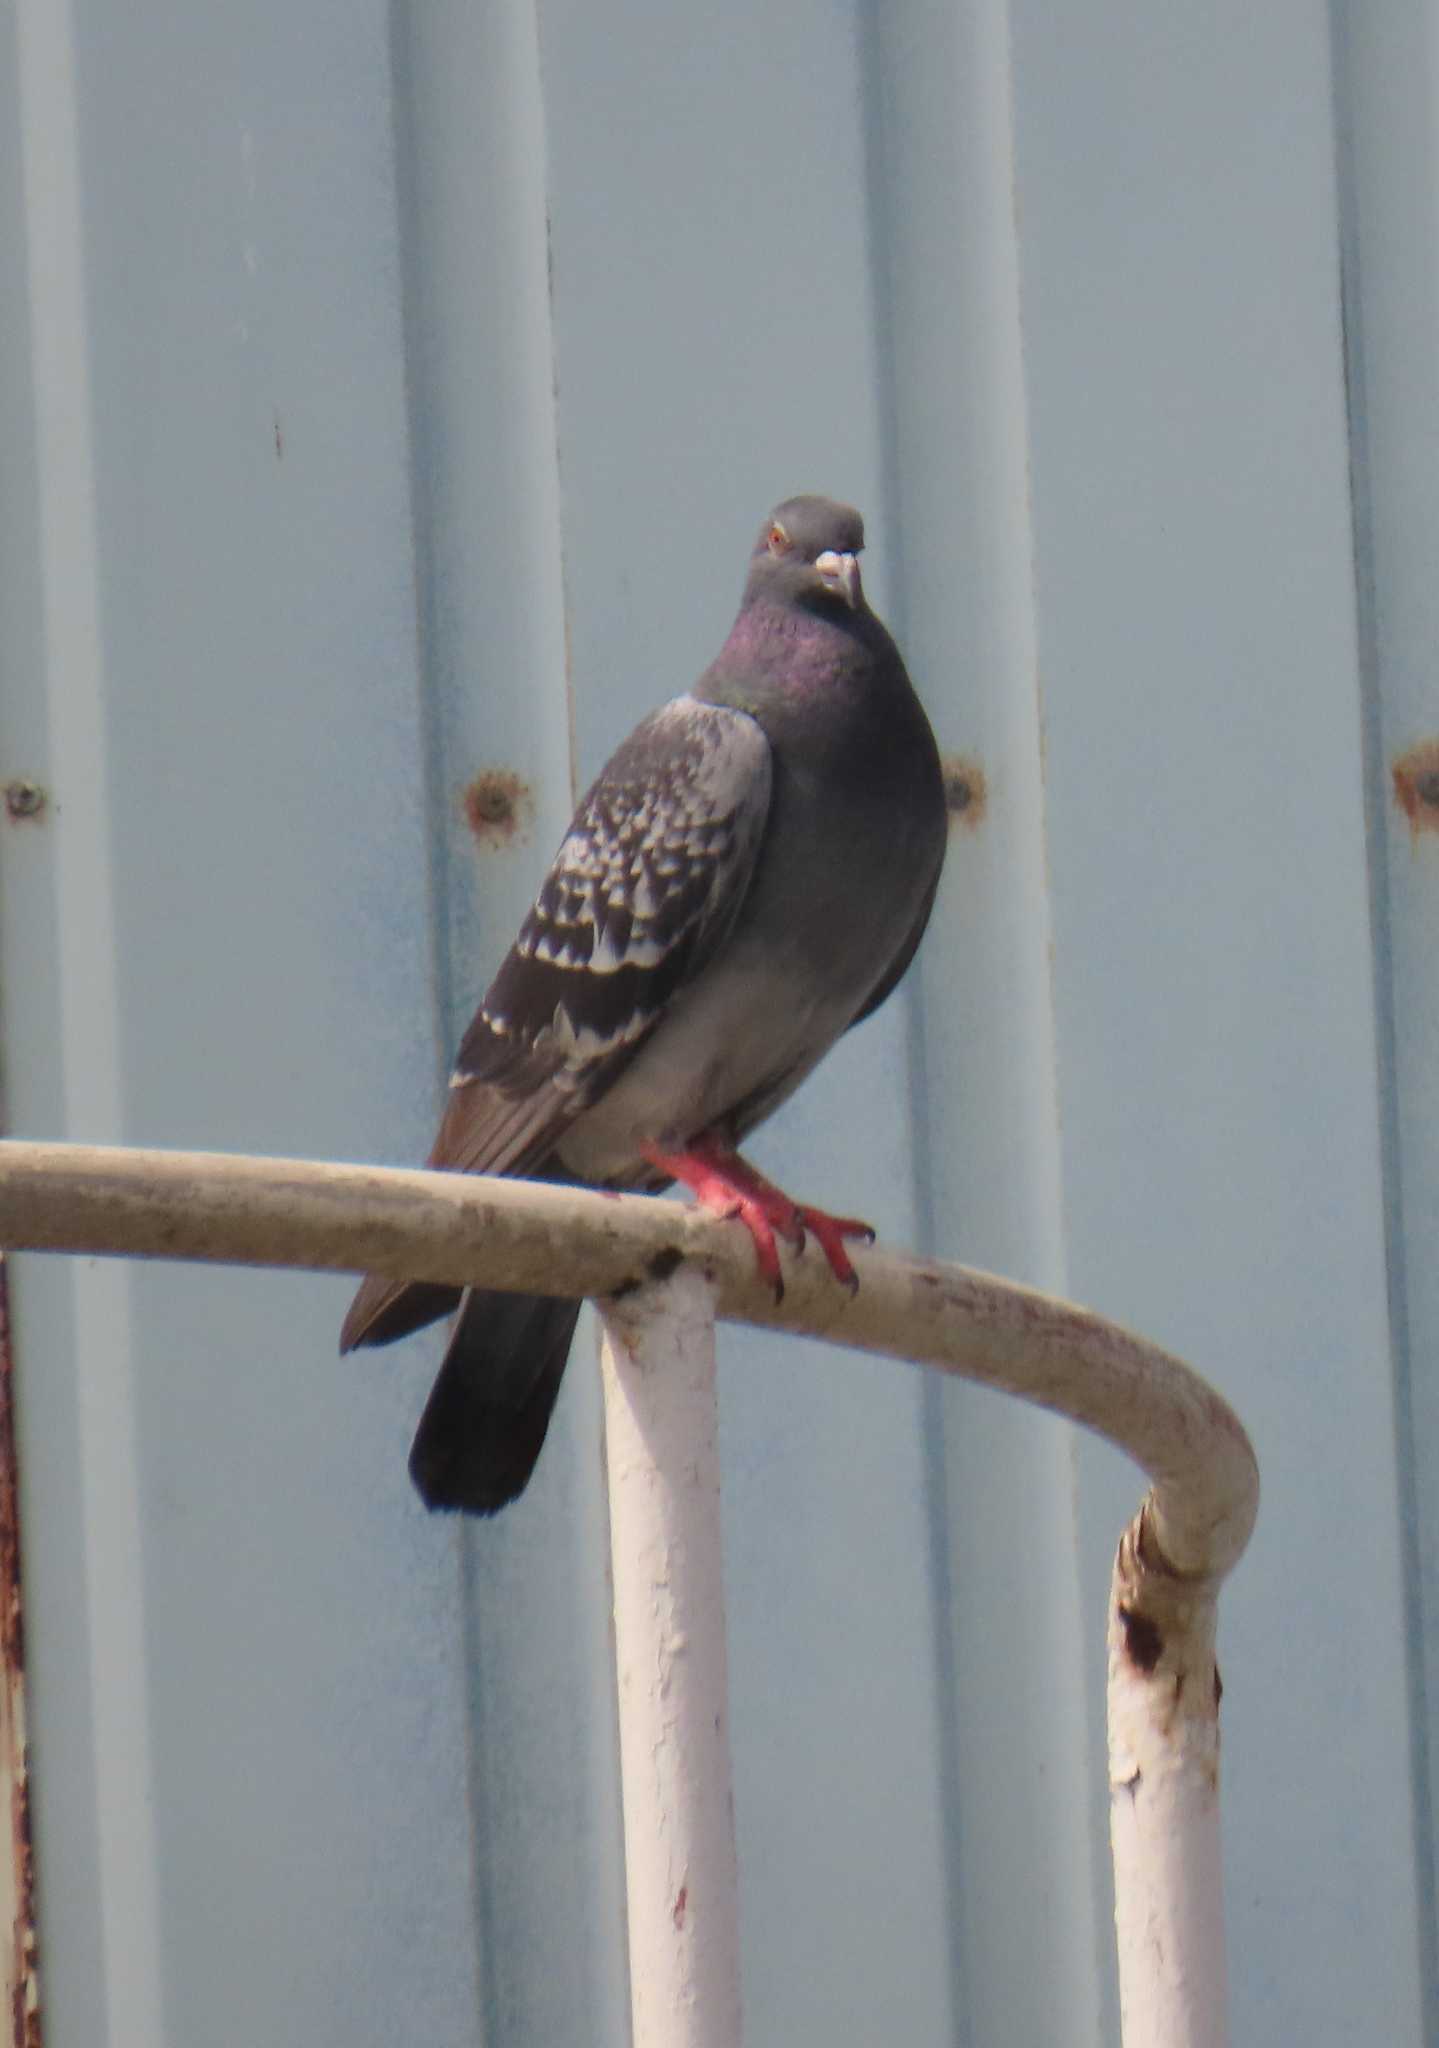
(723, 1194)
(727, 1185)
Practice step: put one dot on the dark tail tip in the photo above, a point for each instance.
(485, 1421)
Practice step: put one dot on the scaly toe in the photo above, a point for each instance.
(766, 1253)
(830, 1233)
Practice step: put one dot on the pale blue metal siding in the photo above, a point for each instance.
(388, 398)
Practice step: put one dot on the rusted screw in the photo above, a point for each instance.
(1416, 784)
(966, 793)
(498, 807)
(494, 804)
(23, 798)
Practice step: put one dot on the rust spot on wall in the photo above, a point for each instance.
(23, 1972)
(498, 807)
(1142, 1640)
(1416, 785)
(966, 793)
(24, 800)
(682, 1905)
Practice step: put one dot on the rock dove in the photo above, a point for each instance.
(748, 877)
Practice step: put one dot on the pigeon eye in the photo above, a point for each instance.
(778, 541)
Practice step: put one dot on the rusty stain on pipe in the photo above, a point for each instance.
(1143, 1642)
(23, 1974)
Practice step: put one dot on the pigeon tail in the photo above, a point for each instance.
(385, 1310)
(488, 1411)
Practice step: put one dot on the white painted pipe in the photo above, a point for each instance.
(467, 1228)
(1190, 1530)
(1164, 1801)
(661, 1429)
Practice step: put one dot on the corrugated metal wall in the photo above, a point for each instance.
(387, 398)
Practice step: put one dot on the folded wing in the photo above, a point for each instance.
(640, 897)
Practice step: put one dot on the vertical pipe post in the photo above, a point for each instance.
(661, 1425)
(1164, 1800)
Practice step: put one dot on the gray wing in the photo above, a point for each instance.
(641, 894)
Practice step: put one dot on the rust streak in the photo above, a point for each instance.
(24, 1971)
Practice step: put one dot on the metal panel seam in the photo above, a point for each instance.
(71, 601)
(1347, 258)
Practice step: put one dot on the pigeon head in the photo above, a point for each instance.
(808, 553)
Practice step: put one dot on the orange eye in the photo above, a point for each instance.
(778, 539)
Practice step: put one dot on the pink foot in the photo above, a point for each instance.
(830, 1233)
(727, 1185)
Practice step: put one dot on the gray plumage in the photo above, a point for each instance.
(749, 876)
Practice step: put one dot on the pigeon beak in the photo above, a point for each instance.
(840, 573)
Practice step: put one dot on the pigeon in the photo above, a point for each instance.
(748, 877)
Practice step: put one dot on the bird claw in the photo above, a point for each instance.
(729, 1186)
(761, 1229)
(830, 1233)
